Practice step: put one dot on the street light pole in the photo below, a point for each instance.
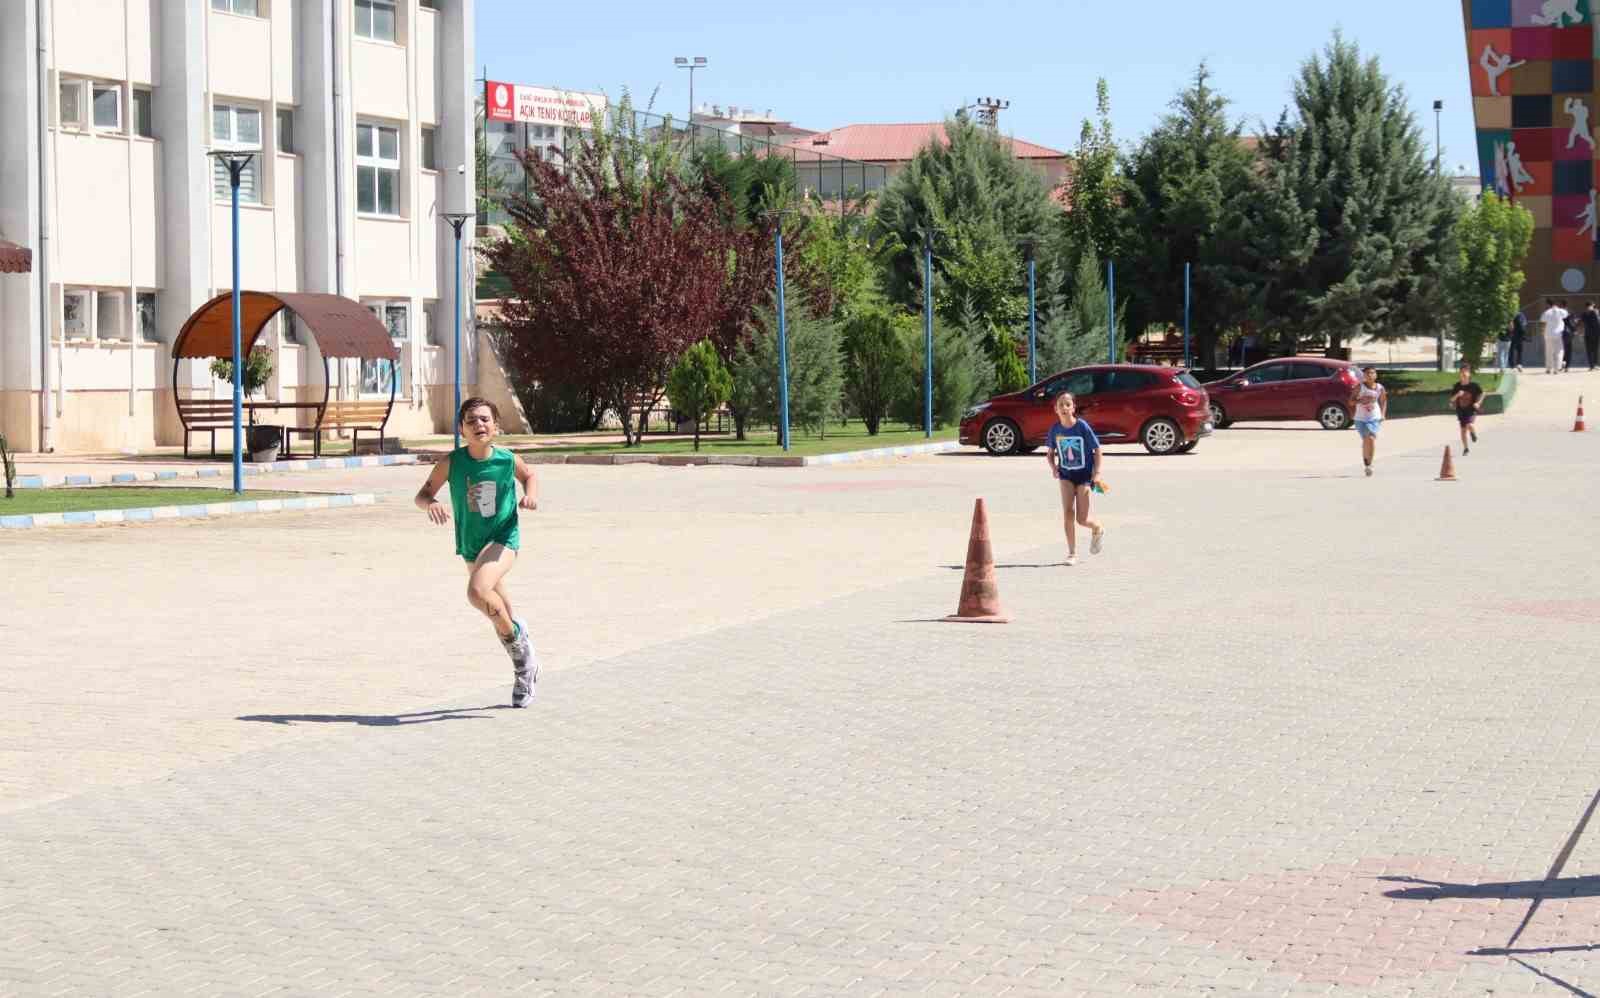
(1033, 316)
(457, 219)
(1187, 358)
(783, 345)
(684, 62)
(927, 333)
(1438, 335)
(1111, 311)
(236, 160)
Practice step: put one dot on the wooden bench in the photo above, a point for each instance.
(205, 416)
(1155, 353)
(357, 416)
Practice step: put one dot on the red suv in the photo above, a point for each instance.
(1287, 388)
(1163, 408)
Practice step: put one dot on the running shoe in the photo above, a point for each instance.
(1072, 559)
(1367, 469)
(524, 665)
(1097, 541)
(1465, 450)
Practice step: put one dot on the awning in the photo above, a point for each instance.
(15, 259)
(341, 327)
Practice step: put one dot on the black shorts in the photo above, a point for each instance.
(1466, 417)
(1078, 478)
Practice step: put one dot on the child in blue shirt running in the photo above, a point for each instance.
(1073, 453)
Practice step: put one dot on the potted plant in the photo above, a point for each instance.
(261, 441)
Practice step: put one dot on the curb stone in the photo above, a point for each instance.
(211, 510)
(275, 467)
(745, 460)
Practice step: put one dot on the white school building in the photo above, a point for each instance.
(363, 114)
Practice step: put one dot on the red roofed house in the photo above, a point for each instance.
(891, 148)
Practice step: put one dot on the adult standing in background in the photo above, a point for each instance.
(1519, 336)
(1569, 326)
(1591, 334)
(1553, 321)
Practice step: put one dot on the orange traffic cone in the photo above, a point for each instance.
(1577, 426)
(980, 595)
(1447, 468)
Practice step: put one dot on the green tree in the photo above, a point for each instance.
(961, 373)
(1075, 333)
(1485, 275)
(979, 200)
(750, 183)
(1183, 179)
(816, 367)
(840, 255)
(1097, 221)
(877, 365)
(1352, 156)
(257, 370)
(698, 383)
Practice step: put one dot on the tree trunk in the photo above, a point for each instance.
(738, 424)
(872, 422)
(697, 435)
(627, 423)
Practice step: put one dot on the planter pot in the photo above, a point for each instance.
(262, 442)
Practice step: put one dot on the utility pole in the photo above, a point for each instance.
(684, 62)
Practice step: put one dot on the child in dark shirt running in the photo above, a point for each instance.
(1466, 396)
(1073, 453)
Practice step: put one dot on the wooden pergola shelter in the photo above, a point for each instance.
(341, 328)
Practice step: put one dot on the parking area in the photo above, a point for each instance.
(1296, 731)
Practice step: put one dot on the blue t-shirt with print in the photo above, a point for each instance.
(1074, 447)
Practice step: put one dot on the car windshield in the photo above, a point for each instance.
(1186, 379)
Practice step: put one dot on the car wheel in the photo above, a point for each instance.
(1333, 417)
(1191, 445)
(1026, 449)
(1001, 437)
(1161, 436)
(1219, 417)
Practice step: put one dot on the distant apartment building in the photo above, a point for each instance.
(750, 123)
(363, 114)
(885, 150)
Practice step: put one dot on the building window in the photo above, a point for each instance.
(71, 112)
(429, 4)
(75, 308)
(107, 107)
(376, 375)
(108, 317)
(235, 127)
(143, 118)
(377, 169)
(430, 325)
(286, 130)
(375, 20)
(427, 150)
(146, 307)
(250, 8)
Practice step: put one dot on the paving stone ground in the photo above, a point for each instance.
(1294, 732)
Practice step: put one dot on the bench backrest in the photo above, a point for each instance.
(355, 413)
(205, 413)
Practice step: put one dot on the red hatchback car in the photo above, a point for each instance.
(1163, 408)
(1287, 388)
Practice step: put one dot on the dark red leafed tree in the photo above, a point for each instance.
(615, 268)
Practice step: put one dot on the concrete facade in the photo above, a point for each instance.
(362, 111)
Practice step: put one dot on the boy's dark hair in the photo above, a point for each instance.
(1370, 367)
(467, 405)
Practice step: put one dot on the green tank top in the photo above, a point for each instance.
(483, 497)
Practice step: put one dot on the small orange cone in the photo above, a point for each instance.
(1577, 426)
(1447, 468)
(980, 595)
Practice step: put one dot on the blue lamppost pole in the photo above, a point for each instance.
(927, 333)
(457, 219)
(1187, 359)
(783, 344)
(236, 160)
(1033, 316)
(1111, 312)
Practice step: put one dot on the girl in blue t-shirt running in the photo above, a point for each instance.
(1073, 452)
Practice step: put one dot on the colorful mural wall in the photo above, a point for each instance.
(1536, 104)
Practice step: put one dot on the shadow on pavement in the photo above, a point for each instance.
(1533, 890)
(1553, 979)
(1051, 564)
(374, 720)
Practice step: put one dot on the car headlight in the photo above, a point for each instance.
(974, 411)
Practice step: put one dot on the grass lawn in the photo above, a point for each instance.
(82, 499)
(849, 437)
(1408, 382)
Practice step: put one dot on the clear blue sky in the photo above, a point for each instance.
(823, 64)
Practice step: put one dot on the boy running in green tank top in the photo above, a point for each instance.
(483, 498)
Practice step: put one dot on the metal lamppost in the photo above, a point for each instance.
(457, 219)
(1111, 311)
(236, 160)
(684, 62)
(776, 214)
(1188, 360)
(1438, 106)
(1029, 244)
(927, 332)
